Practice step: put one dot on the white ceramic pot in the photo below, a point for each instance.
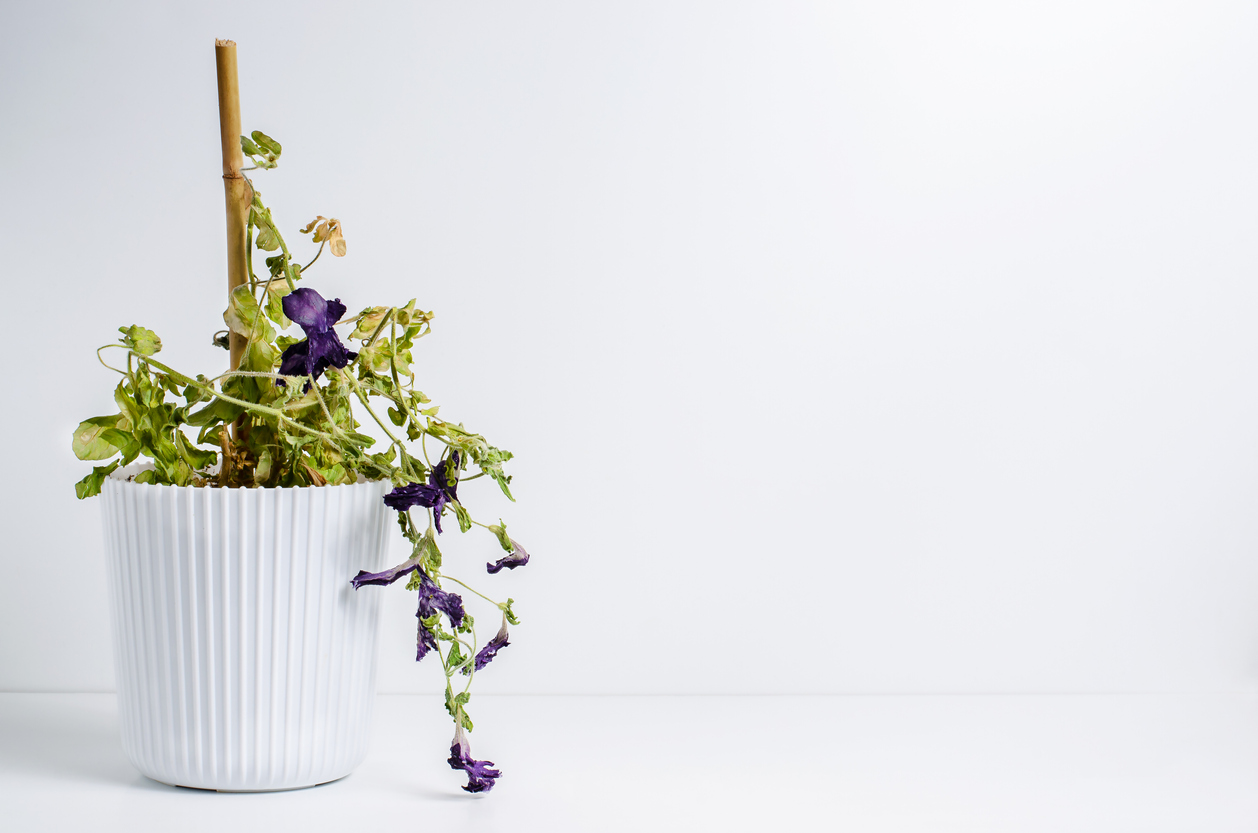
(245, 660)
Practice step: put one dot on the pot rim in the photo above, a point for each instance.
(122, 477)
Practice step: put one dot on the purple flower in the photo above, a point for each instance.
(441, 488)
(432, 599)
(516, 558)
(388, 576)
(484, 655)
(321, 348)
(480, 778)
(425, 642)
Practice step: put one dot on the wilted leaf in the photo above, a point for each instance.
(90, 485)
(267, 143)
(327, 230)
(244, 317)
(142, 341)
(90, 440)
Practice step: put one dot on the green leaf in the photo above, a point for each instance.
(368, 321)
(396, 417)
(219, 409)
(465, 520)
(428, 552)
(265, 469)
(249, 148)
(266, 143)
(142, 341)
(243, 316)
(502, 480)
(90, 485)
(275, 303)
(508, 612)
(91, 443)
(456, 702)
(192, 394)
(197, 458)
(268, 239)
(455, 656)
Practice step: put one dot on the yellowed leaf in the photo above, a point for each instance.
(335, 239)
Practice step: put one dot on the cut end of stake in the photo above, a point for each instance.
(223, 44)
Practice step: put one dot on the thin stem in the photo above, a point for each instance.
(102, 361)
(388, 316)
(471, 658)
(473, 589)
(336, 429)
(358, 391)
(316, 257)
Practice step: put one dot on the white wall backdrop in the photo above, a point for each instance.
(844, 347)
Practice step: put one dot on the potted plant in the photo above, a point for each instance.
(244, 651)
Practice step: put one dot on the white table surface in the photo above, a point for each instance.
(1108, 763)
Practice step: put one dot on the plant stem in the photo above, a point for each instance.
(473, 589)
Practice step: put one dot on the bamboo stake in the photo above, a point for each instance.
(235, 186)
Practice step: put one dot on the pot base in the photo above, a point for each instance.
(272, 790)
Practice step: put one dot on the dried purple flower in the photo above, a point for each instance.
(426, 641)
(321, 348)
(441, 488)
(491, 649)
(518, 557)
(386, 577)
(480, 778)
(311, 312)
(433, 599)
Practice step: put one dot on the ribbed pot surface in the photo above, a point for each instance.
(244, 658)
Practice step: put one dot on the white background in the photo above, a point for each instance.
(864, 347)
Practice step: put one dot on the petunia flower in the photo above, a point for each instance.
(432, 599)
(491, 649)
(426, 641)
(480, 778)
(441, 488)
(518, 557)
(321, 348)
(386, 577)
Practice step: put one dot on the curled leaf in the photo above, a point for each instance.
(139, 340)
(100, 438)
(243, 315)
(327, 230)
(261, 149)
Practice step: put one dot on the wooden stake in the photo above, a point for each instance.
(234, 184)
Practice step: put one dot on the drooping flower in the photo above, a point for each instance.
(518, 557)
(388, 576)
(321, 348)
(491, 649)
(432, 599)
(426, 641)
(441, 488)
(480, 778)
